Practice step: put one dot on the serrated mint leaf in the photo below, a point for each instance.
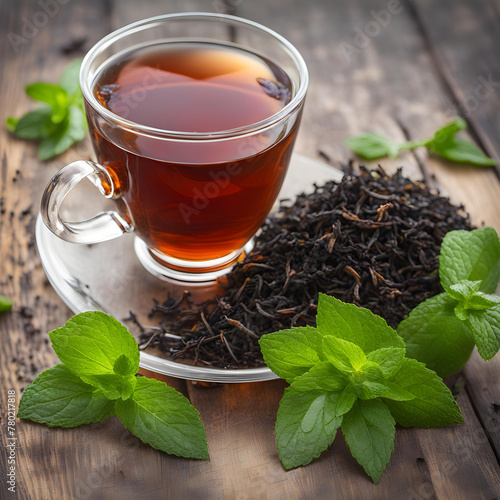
(290, 353)
(323, 377)
(33, 125)
(372, 146)
(464, 289)
(113, 386)
(461, 151)
(433, 404)
(436, 337)
(344, 355)
(123, 366)
(484, 328)
(355, 324)
(164, 419)
(343, 401)
(59, 398)
(395, 392)
(90, 343)
(303, 433)
(369, 431)
(470, 255)
(388, 358)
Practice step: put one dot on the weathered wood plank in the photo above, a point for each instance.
(463, 38)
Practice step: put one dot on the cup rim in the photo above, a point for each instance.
(154, 132)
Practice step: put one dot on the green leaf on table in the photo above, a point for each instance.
(355, 324)
(389, 359)
(306, 425)
(67, 133)
(435, 336)
(470, 255)
(163, 418)
(90, 344)
(61, 121)
(57, 397)
(54, 95)
(369, 431)
(433, 404)
(484, 327)
(462, 151)
(291, 353)
(5, 304)
(35, 124)
(372, 146)
(443, 143)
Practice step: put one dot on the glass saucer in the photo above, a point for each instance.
(109, 277)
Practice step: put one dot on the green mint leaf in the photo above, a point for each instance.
(470, 255)
(34, 125)
(433, 404)
(435, 336)
(389, 359)
(113, 386)
(484, 328)
(290, 353)
(72, 130)
(124, 366)
(447, 133)
(11, 123)
(164, 419)
(5, 304)
(343, 401)
(305, 426)
(355, 324)
(372, 146)
(323, 377)
(90, 344)
(59, 398)
(393, 391)
(464, 290)
(461, 151)
(369, 431)
(70, 79)
(344, 355)
(55, 96)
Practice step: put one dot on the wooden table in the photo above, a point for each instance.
(403, 72)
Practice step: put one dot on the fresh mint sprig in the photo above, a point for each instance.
(97, 380)
(61, 121)
(442, 331)
(350, 373)
(444, 143)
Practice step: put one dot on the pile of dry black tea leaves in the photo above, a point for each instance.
(372, 240)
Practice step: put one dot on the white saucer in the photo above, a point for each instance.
(109, 277)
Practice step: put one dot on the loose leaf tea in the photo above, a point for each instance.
(372, 240)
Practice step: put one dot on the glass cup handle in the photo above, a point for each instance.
(104, 226)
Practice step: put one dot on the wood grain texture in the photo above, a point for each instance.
(393, 86)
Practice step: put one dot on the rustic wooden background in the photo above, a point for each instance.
(408, 75)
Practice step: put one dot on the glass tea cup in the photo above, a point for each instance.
(193, 198)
